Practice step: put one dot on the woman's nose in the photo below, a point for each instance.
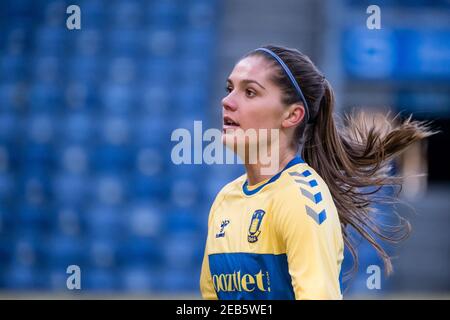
(228, 102)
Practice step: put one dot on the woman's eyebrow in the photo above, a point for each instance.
(247, 81)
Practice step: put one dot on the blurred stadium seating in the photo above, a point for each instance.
(85, 122)
(86, 117)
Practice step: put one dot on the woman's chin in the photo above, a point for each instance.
(233, 140)
(229, 139)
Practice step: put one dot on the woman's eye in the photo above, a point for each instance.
(250, 93)
(228, 89)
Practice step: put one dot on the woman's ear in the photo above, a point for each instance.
(293, 115)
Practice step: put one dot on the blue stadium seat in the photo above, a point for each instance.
(85, 69)
(144, 219)
(158, 71)
(13, 96)
(186, 192)
(140, 251)
(45, 98)
(28, 247)
(155, 100)
(112, 158)
(194, 73)
(88, 43)
(54, 13)
(17, 41)
(50, 41)
(7, 186)
(71, 189)
(19, 8)
(179, 282)
(8, 158)
(118, 99)
(102, 251)
(94, 14)
(41, 127)
(197, 44)
(67, 220)
(164, 14)
(78, 128)
(100, 279)
(110, 189)
(160, 43)
(126, 14)
(124, 42)
(181, 221)
(33, 218)
(20, 278)
(80, 96)
(63, 250)
(149, 161)
(13, 67)
(149, 187)
(190, 99)
(73, 158)
(103, 221)
(138, 279)
(6, 238)
(47, 68)
(150, 132)
(9, 126)
(37, 155)
(115, 130)
(201, 14)
(7, 224)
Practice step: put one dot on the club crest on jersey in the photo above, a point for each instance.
(221, 233)
(255, 225)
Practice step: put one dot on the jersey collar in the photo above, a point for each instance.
(296, 160)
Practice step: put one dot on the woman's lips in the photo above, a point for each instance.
(229, 123)
(226, 127)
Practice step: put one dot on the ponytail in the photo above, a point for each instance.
(355, 156)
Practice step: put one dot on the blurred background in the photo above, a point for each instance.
(86, 117)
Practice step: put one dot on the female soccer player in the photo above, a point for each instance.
(282, 235)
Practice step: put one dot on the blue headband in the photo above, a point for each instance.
(291, 77)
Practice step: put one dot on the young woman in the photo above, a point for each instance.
(282, 235)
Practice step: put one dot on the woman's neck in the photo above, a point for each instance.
(254, 171)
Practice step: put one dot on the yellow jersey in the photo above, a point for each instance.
(279, 239)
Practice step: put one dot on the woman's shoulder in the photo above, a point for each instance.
(230, 188)
(302, 189)
(233, 185)
(300, 184)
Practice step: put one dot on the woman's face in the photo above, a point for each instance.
(253, 100)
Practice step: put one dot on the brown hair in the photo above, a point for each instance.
(350, 156)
